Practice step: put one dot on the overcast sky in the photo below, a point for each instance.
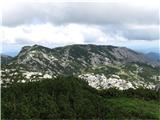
(57, 24)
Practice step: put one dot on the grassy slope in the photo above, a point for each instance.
(133, 108)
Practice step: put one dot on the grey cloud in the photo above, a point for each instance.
(111, 17)
(22, 41)
(146, 33)
(86, 13)
(140, 34)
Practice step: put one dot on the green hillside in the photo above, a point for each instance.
(73, 98)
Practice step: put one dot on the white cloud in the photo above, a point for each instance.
(51, 35)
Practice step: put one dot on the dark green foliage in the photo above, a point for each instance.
(132, 108)
(140, 93)
(73, 98)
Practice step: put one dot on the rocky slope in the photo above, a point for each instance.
(97, 64)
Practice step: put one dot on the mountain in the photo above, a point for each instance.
(70, 59)
(5, 59)
(153, 56)
(101, 66)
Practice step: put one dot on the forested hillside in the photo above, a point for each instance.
(73, 98)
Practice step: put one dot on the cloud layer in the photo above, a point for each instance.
(59, 24)
(88, 13)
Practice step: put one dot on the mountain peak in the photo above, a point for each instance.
(26, 47)
(37, 46)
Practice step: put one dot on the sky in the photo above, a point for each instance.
(52, 24)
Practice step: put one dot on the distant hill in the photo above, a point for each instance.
(153, 56)
(5, 59)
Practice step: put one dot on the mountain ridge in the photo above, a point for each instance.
(93, 48)
(100, 65)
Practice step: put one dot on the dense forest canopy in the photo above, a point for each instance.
(73, 98)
